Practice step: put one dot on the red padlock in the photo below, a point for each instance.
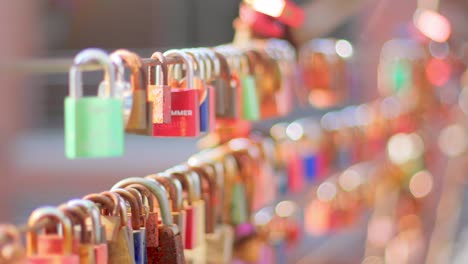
(185, 111)
(66, 256)
(98, 233)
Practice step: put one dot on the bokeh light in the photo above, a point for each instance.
(453, 140)
(432, 24)
(295, 131)
(350, 179)
(285, 208)
(344, 48)
(326, 191)
(421, 184)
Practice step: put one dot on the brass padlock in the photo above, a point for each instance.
(159, 91)
(50, 214)
(170, 249)
(97, 234)
(138, 235)
(138, 111)
(226, 92)
(11, 250)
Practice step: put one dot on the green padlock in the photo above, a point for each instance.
(250, 103)
(94, 126)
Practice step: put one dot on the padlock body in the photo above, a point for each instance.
(54, 244)
(139, 120)
(250, 103)
(205, 125)
(238, 204)
(310, 167)
(94, 127)
(219, 244)
(119, 250)
(191, 227)
(87, 254)
(160, 98)
(171, 250)
(152, 239)
(201, 222)
(185, 115)
(101, 253)
(226, 99)
(139, 244)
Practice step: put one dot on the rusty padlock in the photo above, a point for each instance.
(175, 191)
(50, 214)
(98, 235)
(170, 249)
(159, 91)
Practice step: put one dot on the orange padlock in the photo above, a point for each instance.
(50, 214)
(11, 250)
(98, 235)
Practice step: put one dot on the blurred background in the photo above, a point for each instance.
(33, 169)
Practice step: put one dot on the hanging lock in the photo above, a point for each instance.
(151, 223)
(119, 243)
(47, 214)
(213, 69)
(97, 229)
(195, 235)
(94, 126)
(138, 235)
(11, 250)
(170, 249)
(236, 206)
(226, 91)
(175, 193)
(203, 89)
(136, 106)
(159, 90)
(185, 114)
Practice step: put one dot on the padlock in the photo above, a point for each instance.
(185, 111)
(151, 224)
(11, 250)
(110, 219)
(324, 73)
(138, 235)
(50, 214)
(137, 106)
(209, 194)
(98, 231)
(250, 100)
(143, 214)
(213, 70)
(235, 189)
(175, 192)
(203, 93)
(190, 209)
(159, 91)
(85, 247)
(94, 126)
(226, 92)
(195, 240)
(120, 247)
(170, 248)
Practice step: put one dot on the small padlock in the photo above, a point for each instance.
(85, 246)
(138, 235)
(151, 224)
(175, 192)
(159, 91)
(98, 231)
(226, 92)
(11, 250)
(185, 111)
(236, 191)
(120, 248)
(52, 214)
(137, 107)
(250, 101)
(110, 219)
(203, 93)
(170, 248)
(94, 126)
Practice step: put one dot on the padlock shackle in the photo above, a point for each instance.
(207, 62)
(163, 74)
(214, 61)
(146, 193)
(95, 216)
(189, 71)
(78, 217)
(172, 186)
(121, 206)
(130, 59)
(198, 65)
(51, 213)
(144, 211)
(105, 203)
(134, 206)
(225, 72)
(190, 182)
(85, 57)
(159, 192)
